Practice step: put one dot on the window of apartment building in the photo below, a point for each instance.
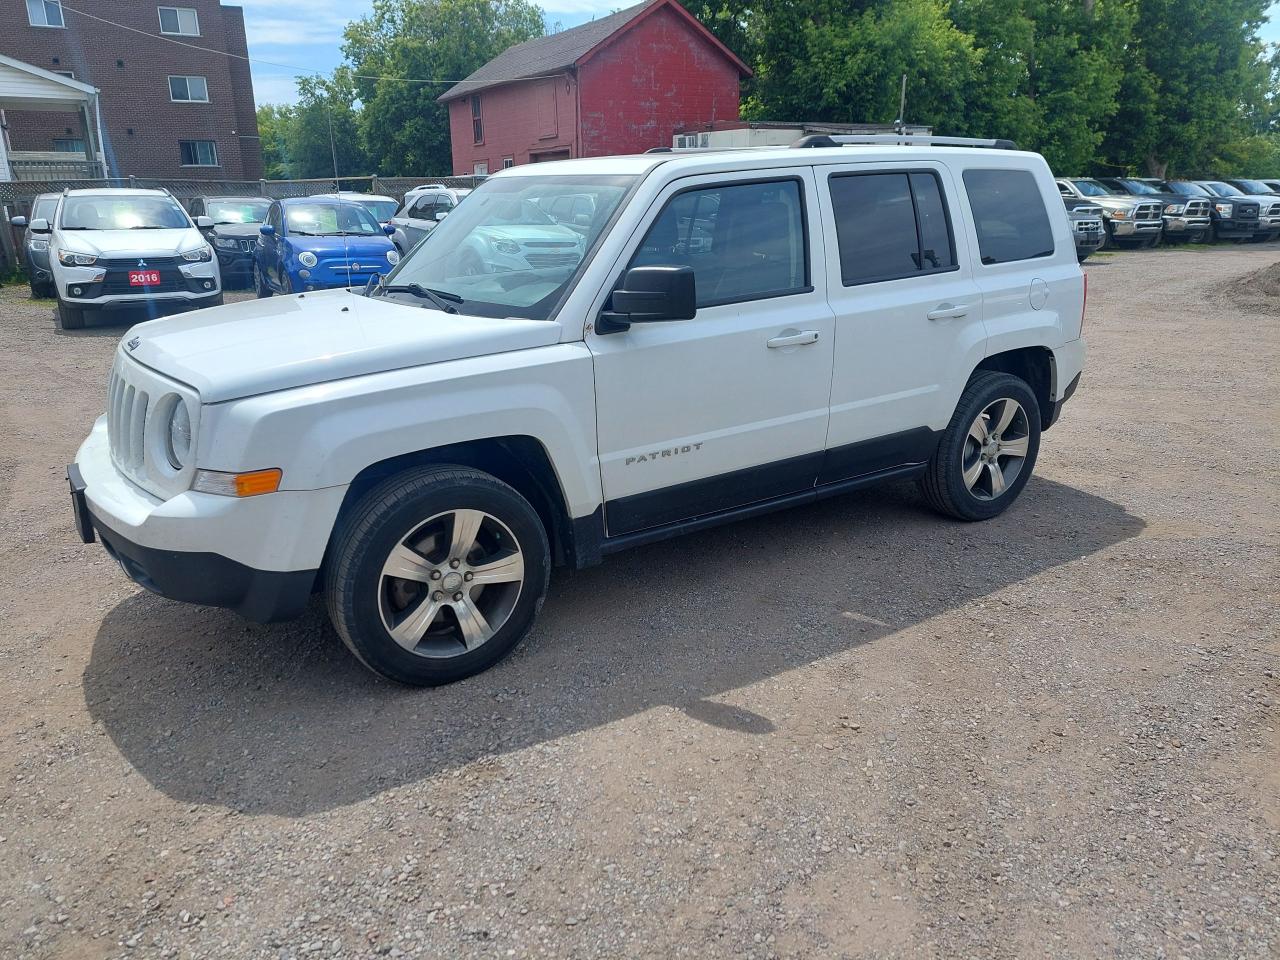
(45, 13)
(68, 145)
(179, 20)
(188, 90)
(477, 125)
(198, 153)
(508, 162)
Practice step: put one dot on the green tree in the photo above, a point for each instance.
(324, 126)
(273, 129)
(405, 42)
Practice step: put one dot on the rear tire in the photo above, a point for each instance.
(475, 560)
(69, 317)
(987, 452)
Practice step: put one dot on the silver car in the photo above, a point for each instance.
(36, 248)
(423, 209)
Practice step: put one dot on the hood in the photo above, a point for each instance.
(1120, 203)
(237, 231)
(531, 233)
(376, 245)
(260, 346)
(130, 243)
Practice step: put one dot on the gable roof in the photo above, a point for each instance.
(553, 54)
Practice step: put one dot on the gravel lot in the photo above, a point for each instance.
(849, 730)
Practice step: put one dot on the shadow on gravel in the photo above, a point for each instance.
(280, 719)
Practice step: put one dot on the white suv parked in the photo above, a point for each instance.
(739, 331)
(112, 249)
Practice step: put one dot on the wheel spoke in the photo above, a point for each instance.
(971, 475)
(466, 525)
(997, 479)
(1010, 411)
(407, 564)
(979, 430)
(410, 631)
(502, 570)
(1014, 448)
(474, 627)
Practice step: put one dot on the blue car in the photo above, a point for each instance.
(318, 243)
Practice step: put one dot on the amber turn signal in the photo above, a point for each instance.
(252, 484)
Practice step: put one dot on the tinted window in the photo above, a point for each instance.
(1009, 215)
(744, 242)
(890, 225)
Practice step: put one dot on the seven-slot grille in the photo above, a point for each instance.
(127, 407)
(247, 245)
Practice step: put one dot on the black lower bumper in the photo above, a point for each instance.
(208, 579)
(1059, 404)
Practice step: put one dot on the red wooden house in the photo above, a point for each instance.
(620, 84)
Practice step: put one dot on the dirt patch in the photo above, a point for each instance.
(1259, 289)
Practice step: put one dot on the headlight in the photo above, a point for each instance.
(307, 258)
(1122, 214)
(1225, 209)
(226, 243)
(38, 244)
(393, 256)
(508, 247)
(178, 438)
(70, 259)
(1175, 208)
(198, 255)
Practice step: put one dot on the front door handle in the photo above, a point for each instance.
(949, 311)
(801, 339)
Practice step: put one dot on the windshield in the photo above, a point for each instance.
(103, 212)
(1254, 186)
(1185, 189)
(383, 210)
(1138, 186)
(1092, 188)
(331, 220)
(238, 211)
(501, 254)
(1222, 189)
(44, 208)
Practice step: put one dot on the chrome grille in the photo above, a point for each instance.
(551, 259)
(1273, 210)
(247, 245)
(1197, 208)
(127, 407)
(1147, 211)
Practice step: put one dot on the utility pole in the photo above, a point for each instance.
(902, 107)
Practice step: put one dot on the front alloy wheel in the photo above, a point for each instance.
(436, 574)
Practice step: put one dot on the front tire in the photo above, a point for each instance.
(437, 574)
(988, 451)
(69, 317)
(260, 287)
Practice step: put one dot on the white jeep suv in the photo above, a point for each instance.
(740, 331)
(114, 249)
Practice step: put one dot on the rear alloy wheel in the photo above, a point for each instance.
(260, 283)
(988, 451)
(438, 574)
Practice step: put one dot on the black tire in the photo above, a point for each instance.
(39, 291)
(361, 597)
(259, 283)
(944, 484)
(69, 317)
(1150, 243)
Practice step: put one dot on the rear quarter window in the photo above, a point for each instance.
(1009, 215)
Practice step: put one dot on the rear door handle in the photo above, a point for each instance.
(801, 339)
(949, 311)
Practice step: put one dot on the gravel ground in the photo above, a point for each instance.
(849, 730)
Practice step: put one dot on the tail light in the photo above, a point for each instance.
(1084, 302)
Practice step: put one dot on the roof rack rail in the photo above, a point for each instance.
(900, 139)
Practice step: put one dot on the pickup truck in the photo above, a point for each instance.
(1130, 221)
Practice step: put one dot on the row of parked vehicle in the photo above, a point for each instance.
(110, 249)
(1142, 212)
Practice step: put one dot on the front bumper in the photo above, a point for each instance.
(235, 262)
(258, 556)
(99, 288)
(1186, 226)
(1136, 228)
(1252, 227)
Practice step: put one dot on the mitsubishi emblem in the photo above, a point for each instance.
(142, 264)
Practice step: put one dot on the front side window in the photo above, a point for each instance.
(45, 13)
(890, 226)
(179, 20)
(188, 90)
(104, 212)
(198, 153)
(500, 255)
(1009, 215)
(331, 220)
(744, 241)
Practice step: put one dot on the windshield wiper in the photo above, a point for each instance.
(440, 298)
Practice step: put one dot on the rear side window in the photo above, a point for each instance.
(1009, 215)
(745, 241)
(890, 226)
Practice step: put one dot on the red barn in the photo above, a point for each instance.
(620, 84)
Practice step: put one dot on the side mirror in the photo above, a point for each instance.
(204, 223)
(388, 229)
(440, 215)
(39, 225)
(19, 221)
(651, 295)
(267, 230)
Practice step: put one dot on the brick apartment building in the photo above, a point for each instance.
(168, 109)
(620, 84)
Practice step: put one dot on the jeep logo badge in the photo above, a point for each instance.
(133, 344)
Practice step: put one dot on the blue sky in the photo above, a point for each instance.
(313, 39)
